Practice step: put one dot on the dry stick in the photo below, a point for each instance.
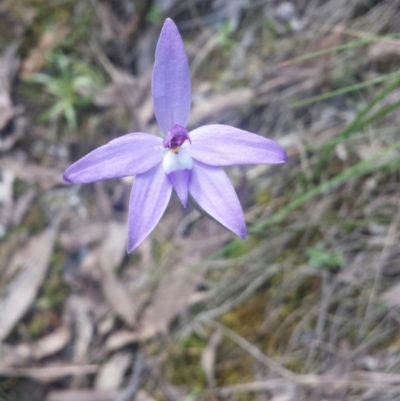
(357, 379)
(323, 311)
(268, 385)
(129, 393)
(229, 305)
(116, 78)
(49, 373)
(256, 353)
(378, 273)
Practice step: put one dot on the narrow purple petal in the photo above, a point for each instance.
(213, 191)
(180, 181)
(171, 79)
(149, 198)
(222, 145)
(127, 155)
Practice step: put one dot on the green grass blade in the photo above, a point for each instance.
(361, 168)
(356, 124)
(342, 91)
(350, 45)
(381, 113)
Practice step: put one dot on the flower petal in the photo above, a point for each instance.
(213, 191)
(149, 198)
(127, 155)
(171, 79)
(177, 166)
(222, 145)
(180, 181)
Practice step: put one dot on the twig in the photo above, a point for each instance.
(255, 352)
(322, 315)
(391, 235)
(130, 391)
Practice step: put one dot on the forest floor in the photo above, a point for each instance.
(306, 308)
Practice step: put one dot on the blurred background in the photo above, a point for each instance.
(307, 308)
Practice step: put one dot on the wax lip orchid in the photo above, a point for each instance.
(189, 162)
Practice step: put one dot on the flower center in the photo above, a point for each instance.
(175, 138)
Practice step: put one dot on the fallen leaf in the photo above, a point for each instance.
(83, 235)
(92, 395)
(384, 49)
(49, 373)
(23, 289)
(100, 265)
(122, 338)
(21, 206)
(180, 279)
(37, 56)
(19, 354)
(46, 177)
(208, 357)
(112, 372)
(6, 197)
(391, 297)
(170, 299)
(84, 334)
(208, 108)
(8, 249)
(9, 63)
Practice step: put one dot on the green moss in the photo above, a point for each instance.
(34, 219)
(19, 187)
(263, 196)
(42, 322)
(55, 12)
(247, 318)
(54, 290)
(236, 369)
(182, 363)
(50, 301)
(7, 386)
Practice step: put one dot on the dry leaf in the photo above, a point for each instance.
(49, 373)
(92, 395)
(84, 333)
(83, 395)
(52, 343)
(6, 197)
(84, 235)
(384, 49)
(46, 177)
(119, 297)
(208, 109)
(21, 206)
(110, 255)
(208, 357)
(391, 297)
(46, 346)
(23, 289)
(47, 42)
(180, 280)
(170, 299)
(9, 63)
(13, 242)
(112, 372)
(278, 389)
(122, 338)
(100, 265)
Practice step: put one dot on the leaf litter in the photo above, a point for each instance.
(164, 299)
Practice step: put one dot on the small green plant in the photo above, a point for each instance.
(320, 258)
(224, 37)
(154, 15)
(65, 81)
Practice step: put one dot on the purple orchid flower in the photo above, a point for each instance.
(188, 162)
